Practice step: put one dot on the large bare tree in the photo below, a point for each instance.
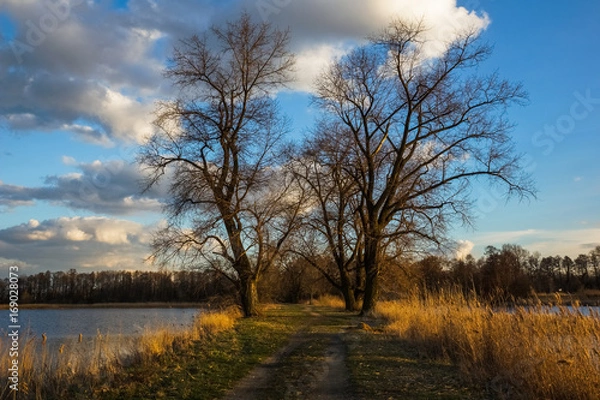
(423, 129)
(331, 239)
(218, 142)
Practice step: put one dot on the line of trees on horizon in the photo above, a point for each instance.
(501, 274)
(510, 272)
(72, 287)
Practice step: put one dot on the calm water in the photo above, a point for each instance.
(60, 324)
(586, 311)
(583, 310)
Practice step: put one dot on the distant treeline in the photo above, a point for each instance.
(119, 286)
(500, 274)
(293, 283)
(511, 271)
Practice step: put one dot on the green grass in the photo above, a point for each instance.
(384, 367)
(210, 367)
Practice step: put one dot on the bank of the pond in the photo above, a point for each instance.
(53, 306)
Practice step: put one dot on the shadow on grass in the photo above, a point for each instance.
(385, 367)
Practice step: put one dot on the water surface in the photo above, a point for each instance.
(66, 323)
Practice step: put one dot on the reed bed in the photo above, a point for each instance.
(523, 353)
(84, 368)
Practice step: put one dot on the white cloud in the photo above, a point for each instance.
(502, 237)
(94, 65)
(129, 120)
(321, 30)
(105, 67)
(104, 187)
(68, 160)
(40, 235)
(113, 233)
(312, 61)
(463, 249)
(91, 242)
(77, 235)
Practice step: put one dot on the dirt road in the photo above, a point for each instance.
(311, 366)
(336, 356)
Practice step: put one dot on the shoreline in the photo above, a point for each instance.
(58, 306)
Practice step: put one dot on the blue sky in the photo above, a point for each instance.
(79, 79)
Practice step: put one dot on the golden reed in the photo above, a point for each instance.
(536, 352)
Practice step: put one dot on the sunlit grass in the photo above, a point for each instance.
(526, 353)
(213, 323)
(328, 300)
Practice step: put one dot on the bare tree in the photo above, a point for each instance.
(218, 140)
(422, 130)
(331, 236)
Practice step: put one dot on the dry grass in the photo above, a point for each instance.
(59, 370)
(215, 322)
(81, 369)
(533, 353)
(328, 300)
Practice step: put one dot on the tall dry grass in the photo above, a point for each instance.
(525, 353)
(328, 300)
(82, 368)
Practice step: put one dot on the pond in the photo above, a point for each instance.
(67, 323)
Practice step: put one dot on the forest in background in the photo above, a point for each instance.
(500, 275)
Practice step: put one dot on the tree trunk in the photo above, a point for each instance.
(248, 278)
(249, 296)
(347, 289)
(349, 298)
(371, 264)
(371, 291)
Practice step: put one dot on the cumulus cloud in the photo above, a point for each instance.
(88, 70)
(323, 30)
(310, 63)
(111, 187)
(95, 71)
(88, 242)
(463, 249)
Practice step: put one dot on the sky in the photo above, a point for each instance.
(79, 80)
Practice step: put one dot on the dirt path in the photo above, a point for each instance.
(311, 366)
(334, 383)
(334, 356)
